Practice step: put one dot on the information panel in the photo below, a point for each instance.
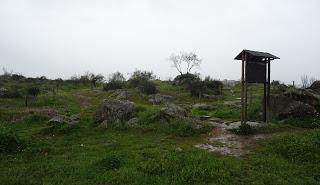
(255, 72)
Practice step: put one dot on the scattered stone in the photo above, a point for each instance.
(178, 149)
(114, 110)
(132, 122)
(203, 118)
(3, 91)
(236, 102)
(158, 98)
(61, 119)
(203, 106)
(104, 124)
(216, 120)
(209, 96)
(120, 94)
(173, 111)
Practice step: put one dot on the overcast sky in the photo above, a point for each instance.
(59, 38)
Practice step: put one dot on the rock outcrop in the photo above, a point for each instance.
(283, 107)
(159, 98)
(112, 110)
(61, 119)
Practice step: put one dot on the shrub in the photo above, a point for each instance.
(17, 77)
(304, 122)
(147, 87)
(139, 77)
(245, 129)
(186, 79)
(197, 88)
(10, 143)
(110, 162)
(59, 129)
(113, 85)
(11, 93)
(297, 148)
(33, 91)
(187, 127)
(215, 86)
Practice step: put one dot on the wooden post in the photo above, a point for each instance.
(268, 96)
(265, 98)
(26, 101)
(242, 87)
(246, 92)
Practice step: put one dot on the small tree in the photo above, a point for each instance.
(33, 91)
(189, 60)
(94, 79)
(304, 81)
(307, 81)
(140, 76)
(117, 76)
(115, 81)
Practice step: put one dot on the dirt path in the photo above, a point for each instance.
(225, 142)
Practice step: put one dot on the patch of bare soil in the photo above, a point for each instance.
(225, 142)
(84, 99)
(47, 112)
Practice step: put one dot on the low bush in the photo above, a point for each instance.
(10, 143)
(147, 87)
(33, 91)
(186, 127)
(115, 81)
(59, 129)
(297, 148)
(304, 122)
(113, 85)
(214, 86)
(186, 79)
(11, 93)
(111, 162)
(138, 77)
(245, 129)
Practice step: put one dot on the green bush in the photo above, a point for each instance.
(304, 122)
(245, 129)
(196, 88)
(10, 143)
(138, 77)
(111, 162)
(186, 79)
(59, 129)
(297, 148)
(214, 86)
(33, 91)
(11, 93)
(186, 127)
(113, 85)
(147, 87)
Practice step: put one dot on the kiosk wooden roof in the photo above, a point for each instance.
(256, 56)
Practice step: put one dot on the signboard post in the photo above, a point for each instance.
(255, 69)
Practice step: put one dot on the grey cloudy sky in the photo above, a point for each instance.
(59, 38)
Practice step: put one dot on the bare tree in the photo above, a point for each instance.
(189, 60)
(307, 81)
(304, 81)
(117, 76)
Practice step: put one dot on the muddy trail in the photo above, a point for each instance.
(225, 142)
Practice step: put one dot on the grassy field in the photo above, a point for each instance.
(150, 153)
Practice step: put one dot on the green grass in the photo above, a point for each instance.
(153, 152)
